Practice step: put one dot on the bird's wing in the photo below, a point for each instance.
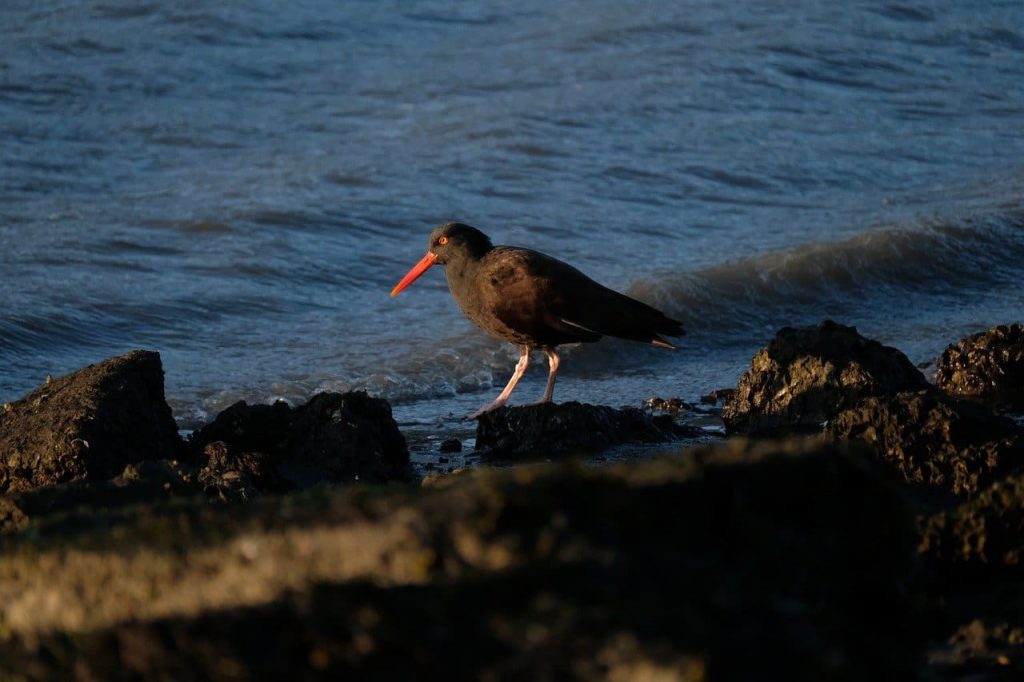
(525, 290)
(610, 313)
(534, 291)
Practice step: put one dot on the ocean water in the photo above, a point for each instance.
(239, 185)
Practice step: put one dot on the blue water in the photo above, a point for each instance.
(239, 185)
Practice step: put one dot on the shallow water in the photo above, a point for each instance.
(239, 187)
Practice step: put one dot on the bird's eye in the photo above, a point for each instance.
(442, 241)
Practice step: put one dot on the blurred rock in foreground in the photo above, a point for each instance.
(742, 561)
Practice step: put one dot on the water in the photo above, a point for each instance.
(240, 185)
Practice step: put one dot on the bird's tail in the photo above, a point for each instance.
(662, 343)
(613, 314)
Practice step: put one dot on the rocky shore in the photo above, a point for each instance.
(858, 522)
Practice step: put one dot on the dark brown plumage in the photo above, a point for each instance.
(533, 300)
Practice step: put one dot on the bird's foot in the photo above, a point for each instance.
(486, 408)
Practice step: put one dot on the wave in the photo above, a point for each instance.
(887, 268)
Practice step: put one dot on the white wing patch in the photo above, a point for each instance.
(578, 326)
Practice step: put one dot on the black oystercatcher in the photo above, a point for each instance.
(533, 300)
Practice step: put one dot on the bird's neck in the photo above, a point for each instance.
(462, 274)
(462, 268)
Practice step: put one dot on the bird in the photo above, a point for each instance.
(533, 300)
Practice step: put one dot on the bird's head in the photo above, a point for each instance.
(450, 242)
(454, 240)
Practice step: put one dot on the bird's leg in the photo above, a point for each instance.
(524, 362)
(549, 390)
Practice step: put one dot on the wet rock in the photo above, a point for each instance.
(721, 564)
(667, 405)
(983, 537)
(333, 438)
(88, 425)
(934, 440)
(450, 445)
(807, 375)
(566, 429)
(988, 365)
(238, 476)
(718, 395)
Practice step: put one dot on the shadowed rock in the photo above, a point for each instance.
(565, 429)
(934, 440)
(974, 569)
(988, 365)
(147, 482)
(246, 451)
(233, 476)
(807, 375)
(333, 438)
(983, 537)
(88, 425)
(721, 564)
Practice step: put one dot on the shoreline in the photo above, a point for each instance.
(889, 512)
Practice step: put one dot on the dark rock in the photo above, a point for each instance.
(88, 425)
(983, 649)
(765, 561)
(983, 537)
(551, 430)
(332, 438)
(718, 395)
(238, 476)
(450, 445)
(12, 516)
(988, 365)
(808, 375)
(142, 483)
(667, 405)
(247, 428)
(934, 440)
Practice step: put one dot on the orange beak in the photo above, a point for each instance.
(416, 271)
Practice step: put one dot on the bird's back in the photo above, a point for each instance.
(530, 298)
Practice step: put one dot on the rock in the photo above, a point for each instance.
(987, 365)
(12, 516)
(139, 484)
(989, 649)
(667, 405)
(333, 438)
(934, 440)
(238, 476)
(807, 375)
(450, 445)
(718, 395)
(554, 430)
(721, 564)
(983, 538)
(88, 425)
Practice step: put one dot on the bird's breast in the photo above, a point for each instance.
(483, 295)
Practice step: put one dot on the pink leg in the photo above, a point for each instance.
(549, 391)
(524, 362)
